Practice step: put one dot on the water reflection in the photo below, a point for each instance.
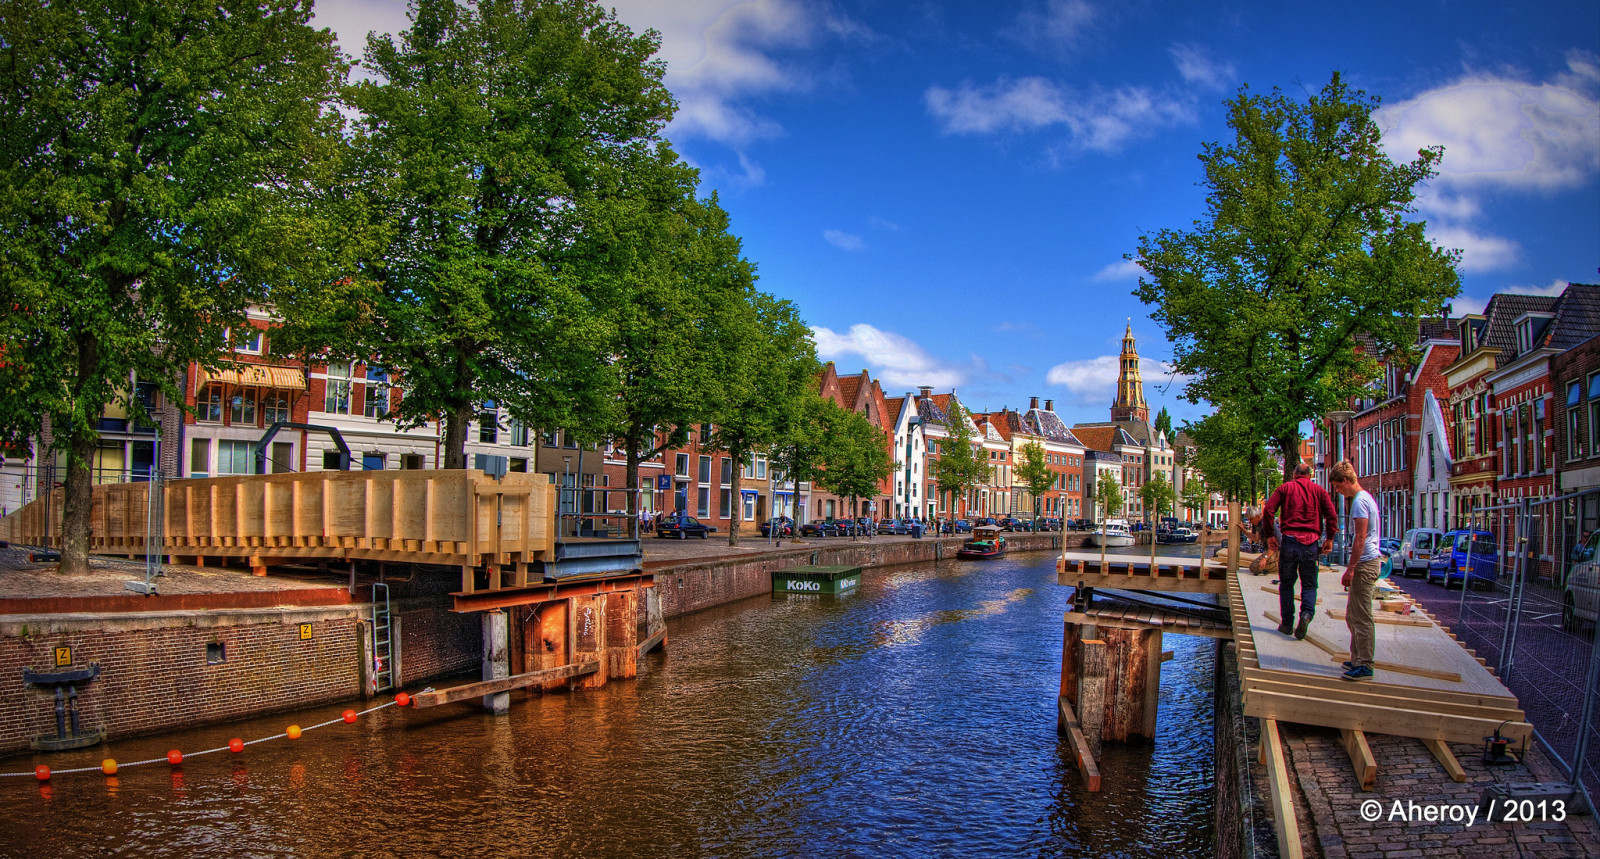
(914, 718)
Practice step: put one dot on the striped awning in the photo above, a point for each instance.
(256, 376)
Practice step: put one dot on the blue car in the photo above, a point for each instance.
(1462, 548)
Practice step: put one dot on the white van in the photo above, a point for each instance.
(1580, 603)
(1416, 549)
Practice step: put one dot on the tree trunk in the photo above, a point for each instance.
(78, 504)
(737, 500)
(1289, 448)
(455, 436)
(631, 480)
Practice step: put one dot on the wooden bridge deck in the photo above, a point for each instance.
(1138, 573)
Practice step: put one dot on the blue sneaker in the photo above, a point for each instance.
(1358, 672)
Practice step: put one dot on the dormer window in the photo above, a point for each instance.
(1530, 329)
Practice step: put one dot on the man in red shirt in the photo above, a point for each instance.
(1308, 519)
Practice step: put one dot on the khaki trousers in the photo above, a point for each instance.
(1358, 613)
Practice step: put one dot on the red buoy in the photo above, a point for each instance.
(41, 772)
(403, 699)
(174, 757)
(236, 745)
(350, 717)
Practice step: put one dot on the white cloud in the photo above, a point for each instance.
(896, 361)
(1479, 252)
(843, 240)
(1467, 304)
(1103, 120)
(1120, 270)
(1094, 381)
(1061, 24)
(1197, 66)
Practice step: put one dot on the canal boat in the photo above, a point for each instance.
(1179, 535)
(986, 542)
(1113, 532)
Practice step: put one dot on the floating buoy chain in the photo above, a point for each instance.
(109, 766)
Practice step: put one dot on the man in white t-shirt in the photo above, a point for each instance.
(1361, 574)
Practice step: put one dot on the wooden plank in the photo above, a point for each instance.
(504, 684)
(1447, 759)
(1080, 745)
(650, 643)
(1342, 655)
(1092, 664)
(1331, 683)
(1284, 820)
(1397, 722)
(1385, 617)
(1394, 697)
(1355, 745)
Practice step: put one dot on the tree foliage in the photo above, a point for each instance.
(1034, 470)
(800, 452)
(1108, 493)
(1196, 495)
(856, 458)
(1157, 495)
(1307, 245)
(1232, 455)
(156, 159)
(486, 145)
(961, 464)
(1163, 423)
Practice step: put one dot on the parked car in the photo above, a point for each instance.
(1460, 550)
(785, 527)
(963, 526)
(1049, 523)
(683, 527)
(1580, 602)
(1012, 523)
(1416, 549)
(820, 528)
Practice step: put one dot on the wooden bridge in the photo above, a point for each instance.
(1427, 685)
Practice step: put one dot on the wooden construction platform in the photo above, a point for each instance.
(1124, 616)
(1426, 684)
(1136, 572)
(448, 517)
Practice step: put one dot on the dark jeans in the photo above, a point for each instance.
(1297, 560)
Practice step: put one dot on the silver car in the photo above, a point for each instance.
(1416, 550)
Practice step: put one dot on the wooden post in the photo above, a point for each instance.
(1092, 691)
(1233, 537)
(496, 666)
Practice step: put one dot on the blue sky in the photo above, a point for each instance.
(947, 189)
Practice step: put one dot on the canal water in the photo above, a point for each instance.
(914, 718)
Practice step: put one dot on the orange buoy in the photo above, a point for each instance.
(293, 732)
(350, 717)
(108, 766)
(236, 745)
(41, 772)
(174, 757)
(403, 699)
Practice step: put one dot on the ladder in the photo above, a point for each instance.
(382, 639)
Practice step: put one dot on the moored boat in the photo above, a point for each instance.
(986, 542)
(1112, 532)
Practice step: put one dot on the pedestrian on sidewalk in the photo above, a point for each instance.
(1308, 519)
(1361, 573)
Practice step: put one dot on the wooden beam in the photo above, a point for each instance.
(504, 684)
(1355, 745)
(1080, 745)
(1159, 624)
(1385, 617)
(1377, 695)
(1342, 655)
(1399, 722)
(1284, 820)
(650, 643)
(1447, 759)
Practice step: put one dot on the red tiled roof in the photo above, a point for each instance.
(1096, 438)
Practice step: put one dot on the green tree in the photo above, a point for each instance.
(155, 157)
(776, 360)
(1230, 453)
(1196, 496)
(856, 459)
(800, 452)
(1163, 423)
(961, 464)
(1034, 470)
(1108, 492)
(1157, 495)
(491, 132)
(1307, 245)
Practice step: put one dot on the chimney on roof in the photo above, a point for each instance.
(1033, 403)
(1049, 405)
(927, 390)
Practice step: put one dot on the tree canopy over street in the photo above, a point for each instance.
(1307, 247)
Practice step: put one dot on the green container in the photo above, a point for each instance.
(816, 580)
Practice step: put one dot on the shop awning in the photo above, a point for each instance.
(256, 376)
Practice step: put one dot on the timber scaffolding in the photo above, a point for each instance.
(1432, 688)
(495, 531)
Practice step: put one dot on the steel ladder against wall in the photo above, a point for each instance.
(382, 638)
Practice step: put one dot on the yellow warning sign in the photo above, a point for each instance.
(305, 632)
(63, 657)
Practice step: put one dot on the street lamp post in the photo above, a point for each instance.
(1341, 418)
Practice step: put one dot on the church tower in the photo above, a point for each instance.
(1129, 405)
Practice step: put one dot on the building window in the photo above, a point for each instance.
(727, 470)
(705, 469)
(749, 506)
(703, 502)
(337, 396)
(725, 504)
(233, 457)
(1574, 442)
(208, 405)
(376, 404)
(275, 406)
(1594, 414)
(242, 407)
(200, 458)
(681, 465)
(489, 424)
(248, 340)
(519, 434)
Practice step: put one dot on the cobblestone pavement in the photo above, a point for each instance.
(1551, 667)
(1334, 823)
(22, 579)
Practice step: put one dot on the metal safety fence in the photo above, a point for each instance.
(1527, 606)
